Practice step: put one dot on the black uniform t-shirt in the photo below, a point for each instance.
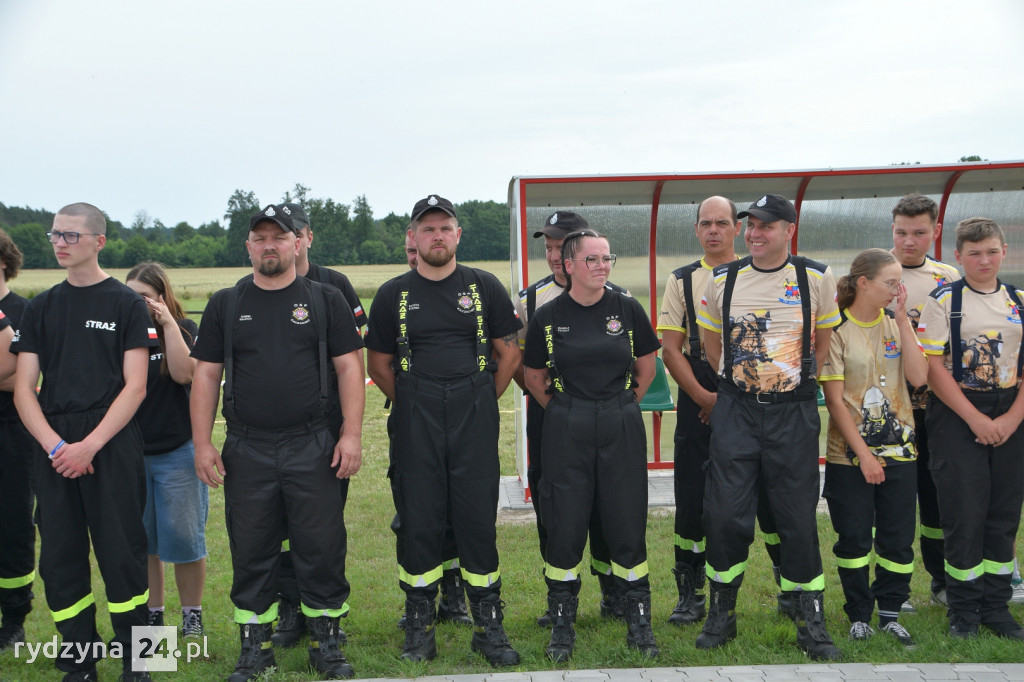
(276, 365)
(591, 343)
(163, 416)
(80, 335)
(325, 275)
(441, 319)
(13, 307)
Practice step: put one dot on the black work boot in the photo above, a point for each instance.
(611, 603)
(257, 652)
(324, 653)
(451, 608)
(788, 602)
(17, 604)
(636, 607)
(291, 624)
(811, 635)
(562, 608)
(691, 607)
(489, 636)
(720, 627)
(420, 643)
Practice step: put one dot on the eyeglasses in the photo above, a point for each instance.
(593, 261)
(892, 285)
(69, 237)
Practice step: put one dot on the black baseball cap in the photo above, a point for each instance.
(769, 208)
(434, 201)
(561, 223)
(297, 214)
(274, 213)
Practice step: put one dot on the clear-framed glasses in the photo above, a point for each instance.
(69, 237)
(893, 285)
(593, 261)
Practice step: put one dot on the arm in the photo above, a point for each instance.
(378, 366)
(713, 350)
(179, 363)
(941, 382)
(915, 362)
(679, 367)
(26, 400)
(643, 374)
(537, 385)
(8, 361)
(519, 376)
(203, 408)
(873, 471)
(75, 459)
(348, 452)
(509, 357)
(822, 339)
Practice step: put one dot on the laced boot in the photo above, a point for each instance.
(324, 652)
(811, 635)
(257, 652)
(16, 607)
(720, 627)
(691, 606)
(291, 624)
(611, 604)
(452, 606)
(489, 636)
(420, 643)
(562, 608)
(636, 607)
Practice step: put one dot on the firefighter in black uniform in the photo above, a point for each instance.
(274, 338)
(589, 360)
(442, 346)
(89, 336)
(760, 312)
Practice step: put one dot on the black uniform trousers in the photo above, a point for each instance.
(595, 458)
(864, 514)
(281, 482)
(932, 553)
(17, 532)
(771, 447)
(981, 489)
(446, 467)
(106, 507)
(600, 560)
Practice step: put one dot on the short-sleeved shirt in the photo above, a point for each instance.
(868, 358)
(163, 417)
(767, 321)
(325, 275)
(441, 320)
(674, 315)
(276, 349)
(990, 336)
(546, 290)
(593, 346)
(80, 335)
(13, 306)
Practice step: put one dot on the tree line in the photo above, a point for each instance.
(345, 234)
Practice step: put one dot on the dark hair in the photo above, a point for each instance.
(976, 230)
(10, 254)
(914, 205)
(153, 274)
(571, 245)
(95, 221)
(866, 264)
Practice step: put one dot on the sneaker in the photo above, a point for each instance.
(1007, 629)
(156, 618)
(1018, 594)
(908, 607)
(939, 597)
(859, 630)
(192, 624)
(900, 633)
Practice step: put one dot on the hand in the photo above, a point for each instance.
(74, 459)
(874, 472)
(348, 456)
(987, 431)
(900, 310)
(159, 311)
(1007, 425)
(706, 400)
(209, 465)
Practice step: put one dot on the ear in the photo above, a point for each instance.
(958, 259)
(938, 232)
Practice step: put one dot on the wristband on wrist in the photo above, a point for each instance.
(56, 448)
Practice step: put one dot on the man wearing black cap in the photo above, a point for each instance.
(274, 338)
(442, 345)
(760, 312)
(556, 227)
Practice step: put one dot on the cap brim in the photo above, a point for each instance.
(762, 215)
(268, 219)
(553, 231)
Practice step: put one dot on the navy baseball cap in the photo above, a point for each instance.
(275, 214)
(434, 201)
(769, 208)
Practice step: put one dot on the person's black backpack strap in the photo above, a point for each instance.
(531, 301)
(484, 360)
(806, 357)
(732, 270)
(320, 319)
(1011, 291)
(956, 306)
(231, 308)
(685, 273)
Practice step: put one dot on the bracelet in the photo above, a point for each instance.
(56, 448)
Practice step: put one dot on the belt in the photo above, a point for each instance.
(770, 398)
(571, 402)
(274, 434)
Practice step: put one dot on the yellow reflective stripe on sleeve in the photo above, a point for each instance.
(688, 545)
(831, 377)
(894, 567)
(450, 564)
(670, 328)
(125, 606)
(726, 576)
(965, 574)
(481, 579)
(771, 538)
(20, 581)
(563, 574)
(826, 322)
(310, 612)
(932, 346)
(816, 585)
(630, 574)
(931, 533)
(600, 567)
(998, 567)
(286, 546)
(854, 563)
(423, 580)
(242, 616)
(73, 610)
(708, 322)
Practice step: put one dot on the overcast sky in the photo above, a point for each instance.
(169, 107)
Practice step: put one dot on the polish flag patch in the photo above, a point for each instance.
(152, 332)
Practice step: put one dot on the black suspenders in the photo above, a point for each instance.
(956, 304)
(691, 313)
